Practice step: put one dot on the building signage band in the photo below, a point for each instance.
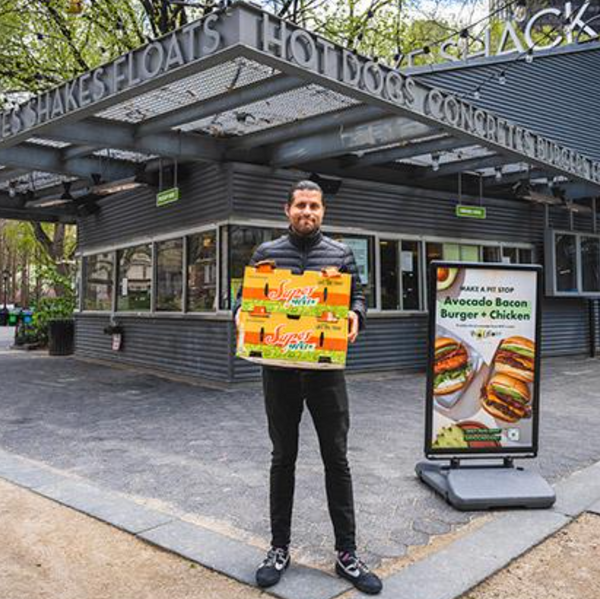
(284, 41)
(483, 368)
(518, 38)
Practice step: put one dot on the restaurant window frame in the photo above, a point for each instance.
(372, 260)
(149, 268)
(82, 281)
(187, 240)
(226, 300)
(153, 242)
(418, 264)
(551, 264)
(481, 244)
(223, 267)
(155, 280)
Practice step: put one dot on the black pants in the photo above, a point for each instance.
(325, 395)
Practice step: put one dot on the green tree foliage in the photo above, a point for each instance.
(44, 43)
(39, 258)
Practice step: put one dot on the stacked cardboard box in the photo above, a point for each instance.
(298, 321)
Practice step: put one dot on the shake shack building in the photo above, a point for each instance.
(174, 161)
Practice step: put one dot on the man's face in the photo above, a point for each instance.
(306, 211)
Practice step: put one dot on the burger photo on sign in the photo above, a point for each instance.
(455, 364)
(506, 398)
(452, 367)
(516, 357)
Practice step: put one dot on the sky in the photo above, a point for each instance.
(463, 11)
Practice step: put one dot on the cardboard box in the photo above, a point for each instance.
(310, 294)
(298, 321)
(297, 342)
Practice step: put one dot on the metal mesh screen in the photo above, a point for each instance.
(34, 181)
(304, 102)
(195, 88)
(48, 142)
(449, 156)
(124, 155)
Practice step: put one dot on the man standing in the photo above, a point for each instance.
(324, 391)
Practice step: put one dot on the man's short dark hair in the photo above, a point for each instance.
(305, 185)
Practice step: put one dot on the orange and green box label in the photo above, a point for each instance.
(307, 341)
(310, 294)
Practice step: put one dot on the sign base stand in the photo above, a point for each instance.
(482, 487)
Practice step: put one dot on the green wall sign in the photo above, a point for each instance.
(168, 196)
(471, 212)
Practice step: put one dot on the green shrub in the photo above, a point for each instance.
(47, 309)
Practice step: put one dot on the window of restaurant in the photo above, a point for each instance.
(390, 282)
(98, 281)
(590, 263)
(169, 275)
(459, 252)
(134, 278)
(242, 241)
(202, 272)
(363, 249)
(78, 283)
(492, 253)
(400, 274)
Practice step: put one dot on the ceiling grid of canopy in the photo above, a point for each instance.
(242, 85)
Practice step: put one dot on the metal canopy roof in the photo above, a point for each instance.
(556, 94)
(243, 85)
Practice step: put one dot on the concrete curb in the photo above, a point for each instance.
(215, 551)
(446, 574)
(469, 561)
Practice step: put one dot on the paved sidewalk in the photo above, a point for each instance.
(202, 454)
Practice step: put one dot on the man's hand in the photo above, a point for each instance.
(353, 322)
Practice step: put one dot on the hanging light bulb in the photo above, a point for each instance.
(477, 94)
(502, 78)
(463, 40)
(498, 174)
(529, 56)
(520, 11)
(435, 162)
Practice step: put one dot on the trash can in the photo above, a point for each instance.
(27, 316)
(13, 317)
(3, 317)
(61, 334)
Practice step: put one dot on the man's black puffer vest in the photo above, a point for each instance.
(312, 252)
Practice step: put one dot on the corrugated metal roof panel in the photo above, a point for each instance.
(556, 95)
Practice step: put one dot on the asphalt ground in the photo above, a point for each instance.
(203, 454)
